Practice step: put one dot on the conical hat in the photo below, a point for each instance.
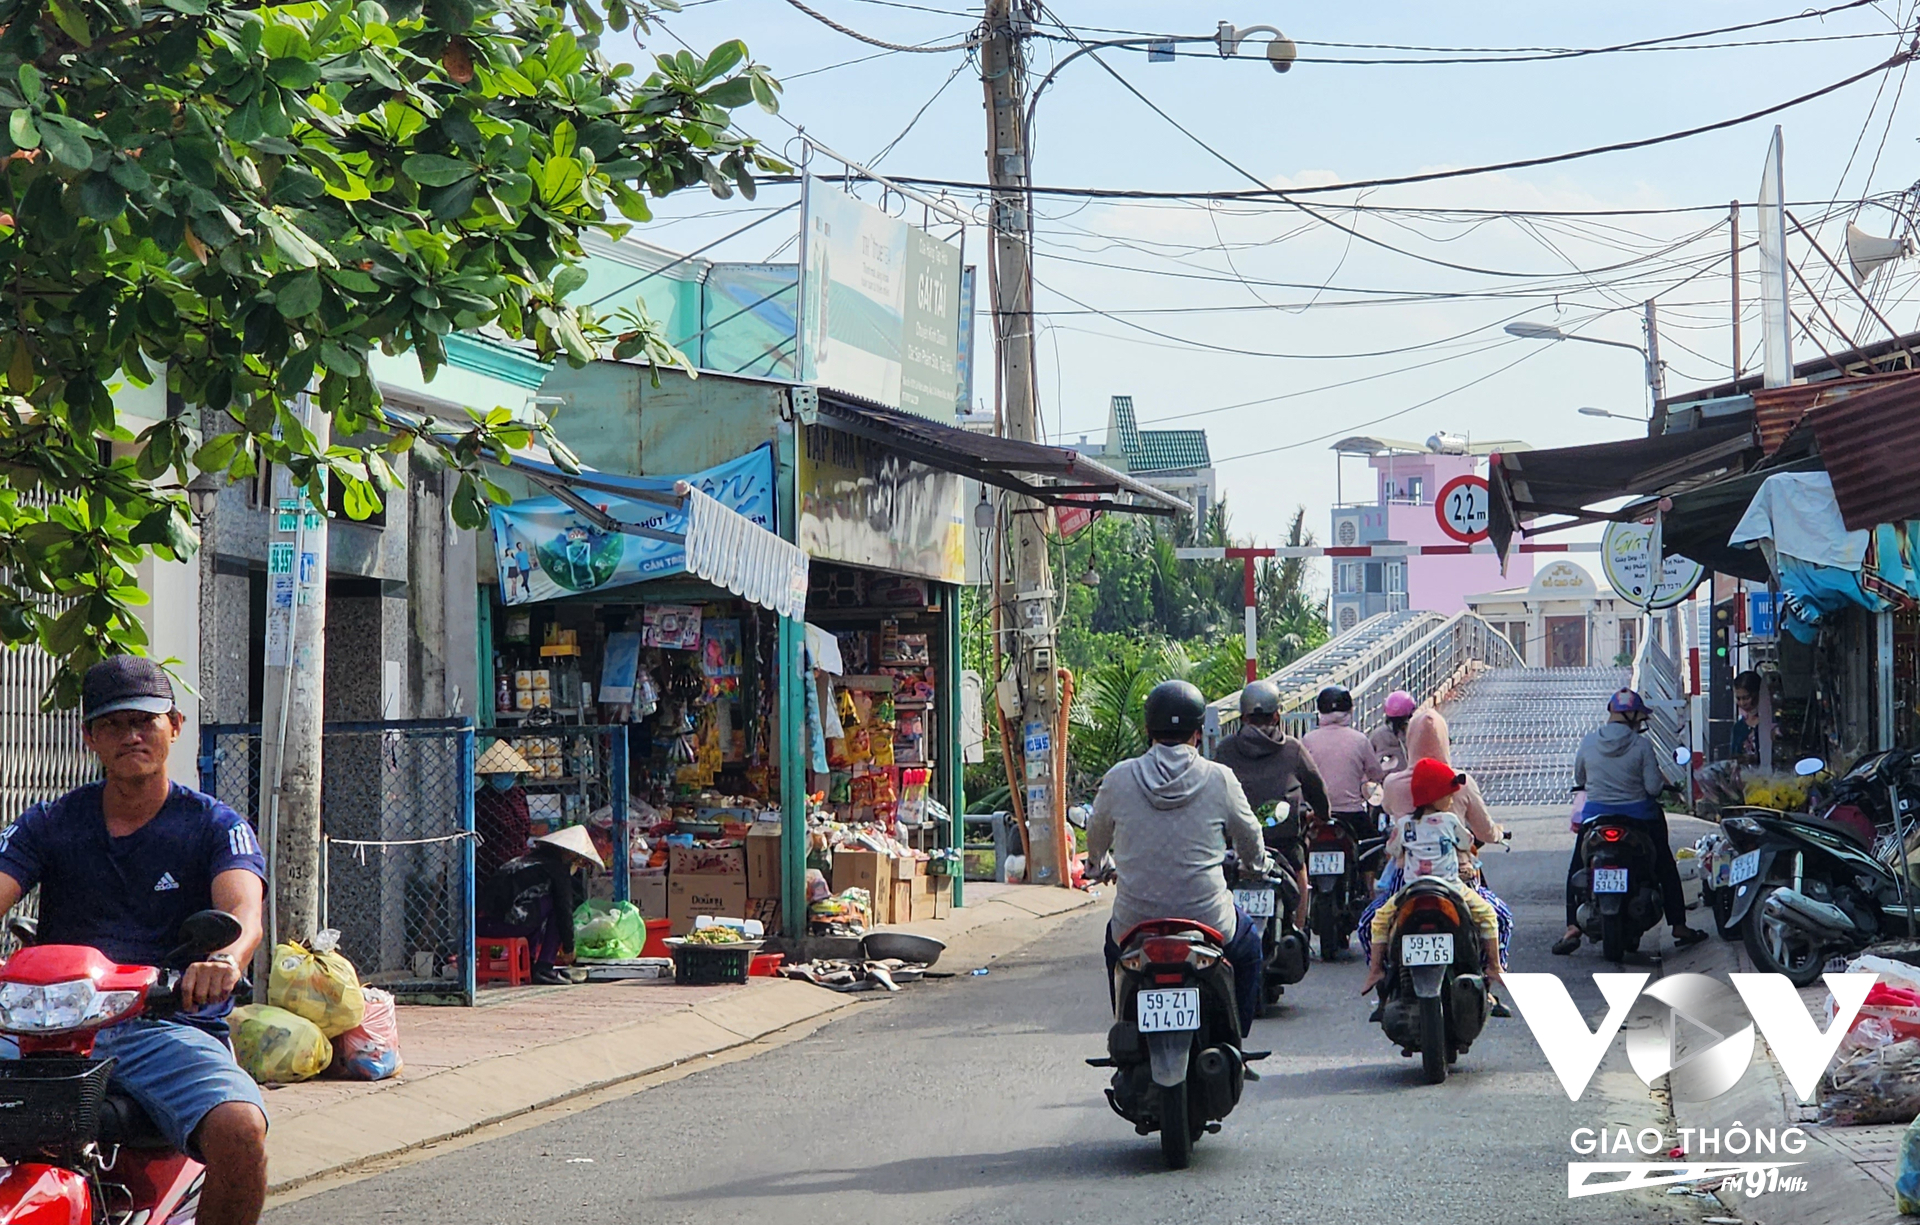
(502, 758)
(575, 839)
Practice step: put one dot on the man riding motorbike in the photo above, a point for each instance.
(1619, 769)
(1273, 766)
(1166, 817)
(1389, 740)
(120, 864)
(1347, 763)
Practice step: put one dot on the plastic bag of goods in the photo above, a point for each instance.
(1872, 1084)
(608, 931)
(277, 1047)
(370, 1050)
(317, 983)
(846, 912)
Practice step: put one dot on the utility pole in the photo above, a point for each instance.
(1656, 373)
(1733, 223)
(1026, 619)
(290, 759)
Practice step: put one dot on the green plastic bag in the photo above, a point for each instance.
(608, 931)
(276, 1047)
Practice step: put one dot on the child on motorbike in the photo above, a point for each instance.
(1432, 842)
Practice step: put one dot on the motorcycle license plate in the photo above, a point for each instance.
(1258, 903)
(1432, 949)
(1745, 868)
(1609, 880)
(1326, 863)
(1169, 1011)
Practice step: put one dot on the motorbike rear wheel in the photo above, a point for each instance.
(1613, 938)
(1782, 950)
(1326, 924)
(1434, 1044)
(1176, 1134)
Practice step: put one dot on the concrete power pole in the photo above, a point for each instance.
(1027, 618)
(294, 703)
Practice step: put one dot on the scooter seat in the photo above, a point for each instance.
(126, 1122)
(1170, 927)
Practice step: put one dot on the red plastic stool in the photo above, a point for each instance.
(502, 959)
(657, 932)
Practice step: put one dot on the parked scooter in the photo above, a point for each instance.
(75, 1152)
(1807, 889)
(1617, 893)
(1175, 1041)
(1271, 900)
(1337, 868)
(1435, 990)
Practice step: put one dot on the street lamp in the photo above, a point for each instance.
(1590, 411)
(1649, 354)
(203, 494)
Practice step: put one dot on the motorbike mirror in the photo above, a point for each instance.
(203, 932)
(1682, 756)
(1808, 766)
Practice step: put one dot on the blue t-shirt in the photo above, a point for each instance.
(126, 896)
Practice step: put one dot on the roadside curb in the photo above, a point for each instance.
(364, 1129)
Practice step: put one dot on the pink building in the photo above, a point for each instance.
(1404, 479)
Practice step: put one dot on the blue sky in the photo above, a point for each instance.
(1213, 277)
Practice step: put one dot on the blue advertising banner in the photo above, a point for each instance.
(545, 549)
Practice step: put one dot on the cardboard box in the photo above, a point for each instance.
(708, 861)
(903, 868)
(763, 861)
(905, 895)
(649, 891)
(862, 870)
(937, 892)
(767, 910)
(689, 897)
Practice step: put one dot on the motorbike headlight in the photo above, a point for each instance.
(26, 1008)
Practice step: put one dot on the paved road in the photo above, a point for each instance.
(966, 1101)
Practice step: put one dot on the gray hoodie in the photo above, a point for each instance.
(1617, 765)
(1168, 816)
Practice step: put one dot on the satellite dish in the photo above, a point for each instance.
(1867, 252)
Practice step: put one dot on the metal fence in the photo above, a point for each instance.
(397, 861)
(581, 771)
(1657, 676)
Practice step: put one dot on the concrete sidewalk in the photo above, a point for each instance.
(1850, 1170)
(524, 1049)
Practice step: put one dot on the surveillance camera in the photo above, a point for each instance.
(1281, 53)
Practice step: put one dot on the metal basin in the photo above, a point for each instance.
(903, 946)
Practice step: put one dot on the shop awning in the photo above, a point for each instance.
(1867, 441)
(1701, 519)
(1056, 476)
(1572, 481)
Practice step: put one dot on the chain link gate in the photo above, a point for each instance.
(397, 837)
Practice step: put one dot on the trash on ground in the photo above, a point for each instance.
(889, 974)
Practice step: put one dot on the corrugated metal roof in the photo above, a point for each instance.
(1868, 444)
(1776, 410)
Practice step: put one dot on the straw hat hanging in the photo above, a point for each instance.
(502, 758)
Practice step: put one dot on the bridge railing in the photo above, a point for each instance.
(1657, 676)
(1426, 656)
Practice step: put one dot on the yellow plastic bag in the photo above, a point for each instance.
(317, 983)
(276, 1047)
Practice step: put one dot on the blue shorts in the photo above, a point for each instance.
(176, 1072)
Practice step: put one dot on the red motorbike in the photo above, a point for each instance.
(75, 1153)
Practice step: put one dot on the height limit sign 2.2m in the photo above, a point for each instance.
(1461, 508)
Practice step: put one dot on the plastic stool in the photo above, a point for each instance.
(502, 959)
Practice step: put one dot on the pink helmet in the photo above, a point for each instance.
(1400, 704)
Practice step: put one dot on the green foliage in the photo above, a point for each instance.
(248, 200)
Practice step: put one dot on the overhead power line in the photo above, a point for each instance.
(831, 24)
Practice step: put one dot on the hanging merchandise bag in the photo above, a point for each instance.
(317, 983)
(371, 1050)
(276, 1047)
(608, 931)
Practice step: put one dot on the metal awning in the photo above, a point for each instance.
(1055, 476)
(1867, 442)
(1572, 481)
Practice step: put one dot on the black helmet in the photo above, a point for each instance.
(1260, 698)
(1334, 698)
(1174, 707)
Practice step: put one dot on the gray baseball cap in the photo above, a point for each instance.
(125, 682)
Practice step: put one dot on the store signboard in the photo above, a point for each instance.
(545, 549)
(866, 505)
(1624, 556)
(880, 307)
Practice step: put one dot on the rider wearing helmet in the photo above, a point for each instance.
(1167, 818)
(1390, 738)
(1273, 766)
(1345, 759)
(1621, 772)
